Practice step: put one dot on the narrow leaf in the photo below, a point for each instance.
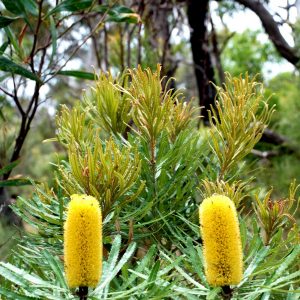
(3, 47)
(5, 21)
(7, 65)
(9, 167)
(78, 74)
(71, 6)
(15, 182)
(153, 274)
(14, 7)
(14, 295)
(56, 268)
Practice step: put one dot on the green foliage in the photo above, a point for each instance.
(276, 214)
(7, 65)
(136, 148)
(112, 106)
(108, 174)
(77, 74)
(279, 170)
(246, 53)
(237, 121)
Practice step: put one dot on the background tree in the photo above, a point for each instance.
(37, 45)
(131, 32)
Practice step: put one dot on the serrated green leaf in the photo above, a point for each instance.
(56, 268)
(112, 272)
(142, 265)
(196, 260)
(113, 257)
(286, 263)
(255, 263)
(14, 295)
(212, 295)
(7, 65)
(22, 277)
(153, 274)
(12, 276)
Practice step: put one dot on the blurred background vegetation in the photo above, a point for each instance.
(50, 51)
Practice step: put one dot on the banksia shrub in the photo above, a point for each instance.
(83, 242)
(222, 243)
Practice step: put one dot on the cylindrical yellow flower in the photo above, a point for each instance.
(83, 242)
(222, 247)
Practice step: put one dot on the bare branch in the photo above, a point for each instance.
(272, 29)
(35, 36)
(96, 27)
(6, 92)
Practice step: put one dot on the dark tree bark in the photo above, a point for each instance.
(160, 21)
(197, 12)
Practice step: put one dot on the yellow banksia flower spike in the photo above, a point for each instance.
(83, 242)
(222, 247)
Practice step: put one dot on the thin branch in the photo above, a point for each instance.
(95, 44)
(226, 40)
(106, 61)
(6, 92)
(272, 30)
(129, 37)
(139, 48)
(264, 154)
(61, 35)
(122, 60)
(167, 42)
(216, 54)
(79, 46)
(35, 37)
(15, 97)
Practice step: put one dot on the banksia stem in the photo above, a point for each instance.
(83, 243)
(222, 243)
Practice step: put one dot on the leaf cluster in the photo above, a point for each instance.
(135, 146)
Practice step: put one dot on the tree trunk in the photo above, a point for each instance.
(197, 11)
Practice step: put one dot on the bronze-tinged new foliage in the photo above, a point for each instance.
(234, 191)
(151, 201)
(182, 116)
(83, 242)
(109, 107)
(222, 248)
(277, 214)
(238, 121)
(104, 171)
(151, 104)
(154, 107)
(73, 126)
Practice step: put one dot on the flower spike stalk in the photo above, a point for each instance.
(222, 242)
(83, 243)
